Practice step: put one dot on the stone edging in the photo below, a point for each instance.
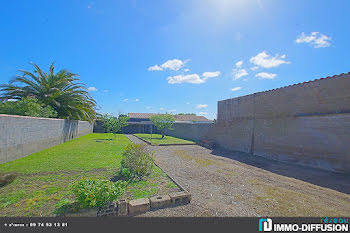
(143, 205)
(173, 144)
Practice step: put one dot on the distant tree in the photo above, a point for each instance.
(62, 90)
(163, 122)
(114, 124)
(27, 107)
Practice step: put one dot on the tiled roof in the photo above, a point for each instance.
(141, 115)
(177, 117)
(190, 118)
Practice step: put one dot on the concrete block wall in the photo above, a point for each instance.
(315, 141)
(307, 123)
(21, 135)
(191, 131)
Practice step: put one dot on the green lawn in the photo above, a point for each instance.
(157, 139)
(45, 177)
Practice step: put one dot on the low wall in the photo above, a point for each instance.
(21, 136)
(191, 131)
(129, 129)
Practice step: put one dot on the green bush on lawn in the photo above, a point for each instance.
(137, 162)
(97, 193)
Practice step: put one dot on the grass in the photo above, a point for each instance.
(45, 177)
(157, 139)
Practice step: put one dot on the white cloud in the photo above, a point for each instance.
(316, 39)
(154, 68)
(207, 75)
(172, 110)
(174, 64)
(236, 88)
(239, 73)
(105, 91)
(92, 89)
(131, 100)
(148, 107)
(239, 64)
(202, 113)
(264, 75)
(187, 102)
(162, 109)
(254, 68)
(189, 78)
(186, 70)
(267, 61)
(199, 106)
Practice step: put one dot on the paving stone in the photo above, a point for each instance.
(159, 202)
(139, 206)
(122, 208)
(180, 198)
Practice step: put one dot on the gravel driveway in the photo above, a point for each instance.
(237, 184)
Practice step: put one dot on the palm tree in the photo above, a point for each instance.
(68, 97)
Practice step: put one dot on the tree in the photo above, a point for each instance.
(163, 122)
(27, 107)
(61, 90)
(114, 124)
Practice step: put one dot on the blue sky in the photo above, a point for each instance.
(177, 56)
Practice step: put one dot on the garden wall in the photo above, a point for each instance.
(191, 131)
(21, 135)
(131, 128)
(307, 123)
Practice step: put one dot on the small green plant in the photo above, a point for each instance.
(113, 124)
(163, 122)
(137, 161)
(97, 193)
(126, 173)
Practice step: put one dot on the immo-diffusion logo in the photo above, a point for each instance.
(265, 224)
(326, 225)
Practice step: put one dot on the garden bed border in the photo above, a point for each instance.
(143, 205)
(172, 144)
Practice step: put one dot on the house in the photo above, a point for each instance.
(182, 118)
(141, 123)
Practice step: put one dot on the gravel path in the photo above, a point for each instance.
(236, 184)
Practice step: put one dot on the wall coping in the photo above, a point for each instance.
(39, 118)
(342, 75)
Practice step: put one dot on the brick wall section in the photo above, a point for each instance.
(307, 123)
(21, 135)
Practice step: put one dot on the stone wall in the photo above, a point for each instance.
(307, 123)
(21, 136)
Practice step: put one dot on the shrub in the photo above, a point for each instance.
(97, 193)
(137, 161)
(27, 107)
